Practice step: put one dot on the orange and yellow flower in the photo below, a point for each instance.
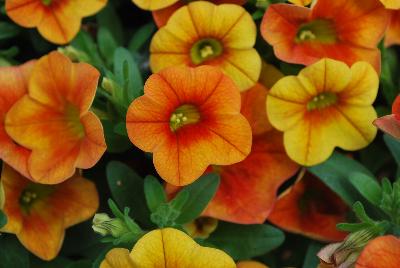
(251, 264)
(391, 123)
(248, 190)
(53, 120)
(225, 39)
(13, 86)
(310, 208)
(58, 21)
(392, 36)
(39, 214)
(167, 248)
(391, 4)
(328, 104)
(189, 118)
(383, 251)
(161, 16)
(305, 35)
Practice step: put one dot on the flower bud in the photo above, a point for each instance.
(104, 225)
(74, 54)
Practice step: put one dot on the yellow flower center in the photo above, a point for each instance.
(74, 121)
(322, 101)
(184, 115)
(33, 193)
(47, 2)
(204, 50)
(319, 30)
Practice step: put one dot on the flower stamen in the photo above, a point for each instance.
(184, 115)
(322, 101)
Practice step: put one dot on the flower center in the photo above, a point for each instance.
(184, 115)
(33, 193)
(322, 101)
(319, 30)
(47, 2)
(74, 122)
(204, 50)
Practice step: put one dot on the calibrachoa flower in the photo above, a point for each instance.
(154, 4)
(161, 16)
(39, 214)
(250, 264)
(201, 227)
(189, 118)
(53, 120)
(392, 36)
(13, 86)
(303, 35)
(301, 2)
(383, 251)
(310, 208)
(248, 190)
(167, 248)
(225, 39)
(328, 104)
(391, 4)
(57, 20)
(391, 123)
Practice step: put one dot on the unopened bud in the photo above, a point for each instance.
(104, 225)
(74, 54)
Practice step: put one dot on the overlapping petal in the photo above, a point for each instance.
(383, 251)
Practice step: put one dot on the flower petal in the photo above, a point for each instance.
(26, 13)
(153, 4)
(117, 258)
(383, 251)
(389, 124)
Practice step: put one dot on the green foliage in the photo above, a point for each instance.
(243, 242)
(3, 219)
(154, 192)
(12, 253)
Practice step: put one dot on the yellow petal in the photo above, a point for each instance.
(300, 2)
(117, 258)
(89, 7)
(173, 248)
(391, 4)
(154, 4)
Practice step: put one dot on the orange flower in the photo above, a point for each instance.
(53, 120)
(382, 252)
(303, 35)
(201, 227)
(301, 2)
(248, 190)
(310, 208)
(393, 31)
(391, 123)
(39, 214)
(13, 86)
(251, 264)
(225, 39)
(161, 16)
(189, 118)
(58, 21)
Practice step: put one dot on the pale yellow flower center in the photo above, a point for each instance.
(47, 2)
(205, 49)
(322, 101)
(319, 30)
(184, 115)
(73, 120)
(32, 193)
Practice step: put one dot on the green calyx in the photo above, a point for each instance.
(322, 101)
(322, 31)
(33, 193)
(47, 2)
(204, 50)
(184, 115)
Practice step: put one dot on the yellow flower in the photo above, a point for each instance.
(301, 2)
(225, 39)
(391, 4)
(167, 248)
(327, 105)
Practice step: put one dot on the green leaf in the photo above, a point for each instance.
(12, 253)
(394, 147)
(141, 36)
(352, 227)
(127, 190)
(359, 210)
(8, 30)
(200, 194)
(116, 143)
(57, 262)
(84, 42)
(108, 18)
(367, 186)
(128, 75)
(154, 192)
(3, 218)
(335, 174)
(81, 264)
(311, 259)
(246, 241)
(107, 44)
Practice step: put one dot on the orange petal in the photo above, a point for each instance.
(250, 264)
(13, 85)
(389, 124)
(26, 13)
(248, 190)
(383, 251)
(269, 75)
(153, 4)
(393, 31)
(310, 208)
